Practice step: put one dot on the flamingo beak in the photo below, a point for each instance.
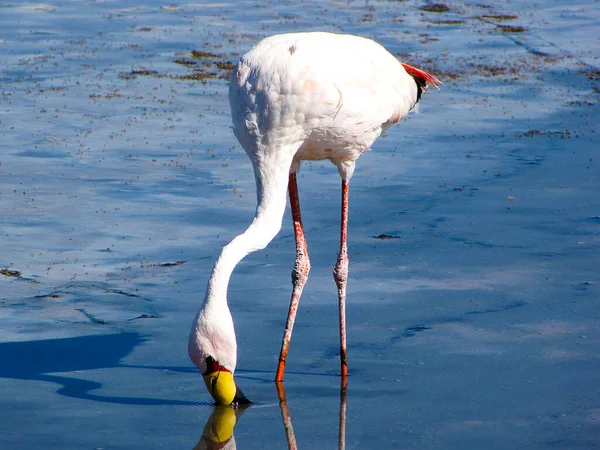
(221, 386)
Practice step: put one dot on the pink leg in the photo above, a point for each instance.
(299, 274)
(340, 275)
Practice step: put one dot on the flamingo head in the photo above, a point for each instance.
(212, 348)
(221, 385)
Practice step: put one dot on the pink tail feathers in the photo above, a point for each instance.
(418, 73)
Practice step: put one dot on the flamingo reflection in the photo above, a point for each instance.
(287, 420)
(285, 415)
(218, 431)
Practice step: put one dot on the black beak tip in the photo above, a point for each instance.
(240, 398)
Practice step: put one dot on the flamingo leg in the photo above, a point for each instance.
(299, 274)
(340, 275)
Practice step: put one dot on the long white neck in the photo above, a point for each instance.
(271, 187)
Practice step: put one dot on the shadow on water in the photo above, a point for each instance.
(38, 360)
(218, 431)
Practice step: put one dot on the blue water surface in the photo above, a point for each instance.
(473, 300)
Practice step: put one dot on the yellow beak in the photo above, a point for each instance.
(221, 387)
(220, 384)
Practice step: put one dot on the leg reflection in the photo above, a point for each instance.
(342, 430)
(287, 420)
(285, 415)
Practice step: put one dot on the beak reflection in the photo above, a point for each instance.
(218, 431)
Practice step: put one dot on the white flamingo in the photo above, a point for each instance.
(294, 97)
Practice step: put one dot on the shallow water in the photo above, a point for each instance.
(476, 326)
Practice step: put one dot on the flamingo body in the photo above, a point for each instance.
(294, 97)
(317, 95)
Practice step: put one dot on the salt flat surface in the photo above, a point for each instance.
(474, 325)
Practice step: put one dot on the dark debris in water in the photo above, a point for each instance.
(167, 264)
(500, 17)
(581, 103)
(493, 71)
(436, 7)
(512, 28)
(387, 236)
(10, 273)
(134, 73)
(224, 65)
(592, 74)
(199, 54)
(409, 332)
(217, 61)
(185, 62)
(448, 22)
(561, 134)
(196, 76)
(144, 72)
(17, 275)
(91, 317)
(177, 263)
(48, 296)
(212, 66)
(145, 316)
(448, 74)
(120, 292)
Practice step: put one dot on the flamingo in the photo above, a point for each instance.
(295, 97)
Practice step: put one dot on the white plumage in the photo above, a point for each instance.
(294, 97)
(318, 95)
